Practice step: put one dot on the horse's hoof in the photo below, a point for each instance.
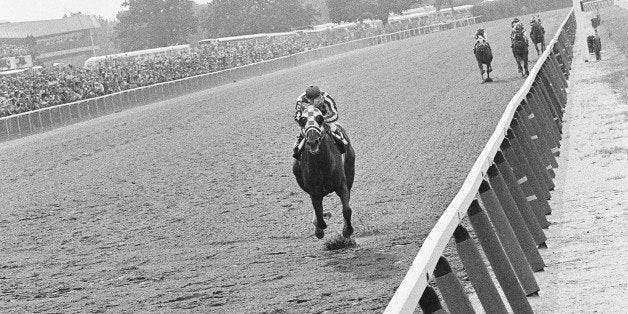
(327, 215)
(320, 233)
(488, 80)
(347, 232)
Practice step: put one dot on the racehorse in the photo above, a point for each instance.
(537, 34)
(520, 51)
(322, 169)
(484, 55)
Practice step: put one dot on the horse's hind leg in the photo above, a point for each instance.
(345, 195)
(319, 220)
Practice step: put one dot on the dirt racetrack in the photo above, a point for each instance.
(190, 204)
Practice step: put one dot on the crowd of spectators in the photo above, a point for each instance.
(49, 86)
(11, 50)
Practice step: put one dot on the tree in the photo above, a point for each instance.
(104, 36)
(357, 10)
(438, 4)
(242, 17)
(154, 23)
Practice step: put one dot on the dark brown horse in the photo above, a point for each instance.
(520, 51)
(484, 56)
(537, 34)
(322, 169)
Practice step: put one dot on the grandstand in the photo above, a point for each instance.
(68, 40)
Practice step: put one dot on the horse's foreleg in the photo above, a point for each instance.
(518, 60)
(481, 70)
(345, 195)
(489, 69)
(318, 220)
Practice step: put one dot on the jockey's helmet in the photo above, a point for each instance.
(480, 32)
(312, 92)
(519, 27)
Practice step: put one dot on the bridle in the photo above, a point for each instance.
(310, 113)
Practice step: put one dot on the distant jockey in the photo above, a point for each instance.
(517, 29)
(480, 33)
(326, 104)
(480, 38)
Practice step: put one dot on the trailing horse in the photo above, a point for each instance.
(537, 34)
(323, 169)
(484, 56)
(520, 51)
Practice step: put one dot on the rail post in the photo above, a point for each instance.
(532, 172)
(525, 178)
(477, 272)
(536, 144)
(507, 237)
(429, 302)
(451, 289)
(514, 217)
(531, 152)
(539, 136)
(505, 169)
(498, 259)
(551, 116)
(547, 119)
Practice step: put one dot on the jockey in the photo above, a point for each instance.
(480, 36)
(326, 104)
(480, 33)
(517, 28)
(514, 21)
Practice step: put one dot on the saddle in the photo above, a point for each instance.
(338, 138)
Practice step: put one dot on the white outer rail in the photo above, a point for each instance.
(409, 291)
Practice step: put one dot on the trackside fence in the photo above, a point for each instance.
(44, 119)
(504, 197)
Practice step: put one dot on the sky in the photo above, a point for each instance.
(34, 10)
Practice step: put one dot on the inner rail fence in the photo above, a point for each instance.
(504, 197)
(44, 119)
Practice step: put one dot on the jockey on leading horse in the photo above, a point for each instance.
(480, 38)
(326, 104)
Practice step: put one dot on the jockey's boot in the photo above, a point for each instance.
(341, 142)
(296, 149)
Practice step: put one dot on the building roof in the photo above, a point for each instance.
(48, 27)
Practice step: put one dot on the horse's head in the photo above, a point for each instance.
(536, 20)
(313, 123)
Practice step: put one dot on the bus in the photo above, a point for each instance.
(147, 53)
(421, 16)
(246, 38)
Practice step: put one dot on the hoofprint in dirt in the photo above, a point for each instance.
(190, 203)
(587, 258)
